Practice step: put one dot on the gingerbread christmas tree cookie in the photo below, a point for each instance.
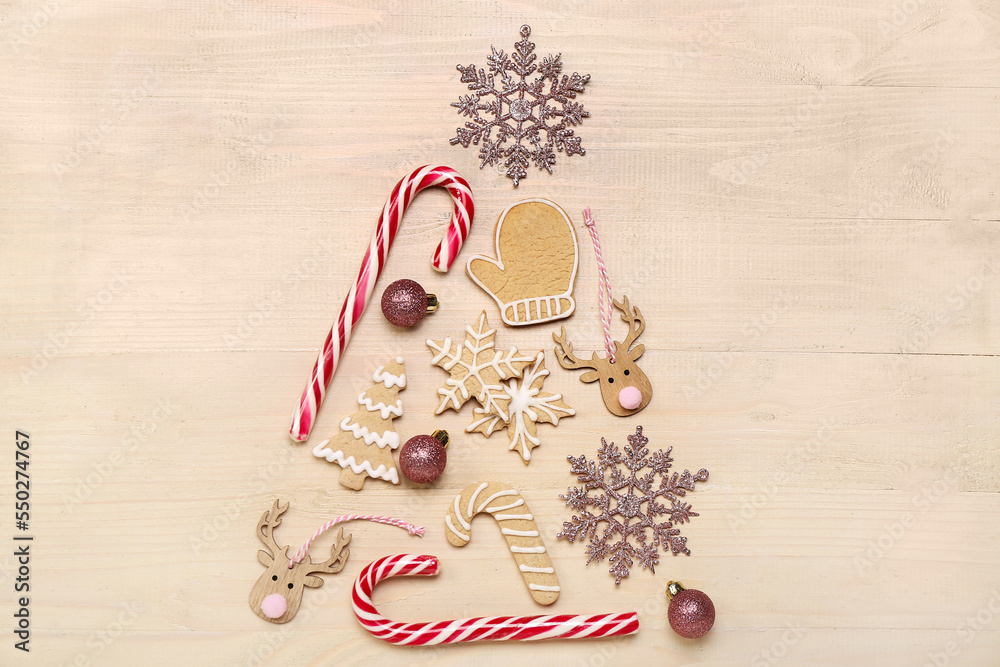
(365, 444)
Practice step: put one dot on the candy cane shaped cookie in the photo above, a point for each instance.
(371, 267)
(492, 628)
(518, 527)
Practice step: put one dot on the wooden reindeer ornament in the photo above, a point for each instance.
(278, 592)
(624, 386)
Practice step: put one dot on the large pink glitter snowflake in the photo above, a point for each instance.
(629, 505)
(521, 110)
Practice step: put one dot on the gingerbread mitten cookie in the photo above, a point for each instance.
(537, 258)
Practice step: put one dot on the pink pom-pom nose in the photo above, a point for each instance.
(630, 398)
(274, 605)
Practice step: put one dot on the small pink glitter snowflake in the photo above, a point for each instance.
(629, 506)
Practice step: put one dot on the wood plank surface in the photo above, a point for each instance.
(801, 197)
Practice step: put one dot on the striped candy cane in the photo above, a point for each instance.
(496, 628)
(371, 267)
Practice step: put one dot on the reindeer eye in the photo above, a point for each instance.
(626, 371)
(290, 586)
(611, 380)
(274, 578)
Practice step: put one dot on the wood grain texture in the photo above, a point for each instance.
(801, 197)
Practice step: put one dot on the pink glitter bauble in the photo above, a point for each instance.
(691, 613)
(423, 458)
(404, 303)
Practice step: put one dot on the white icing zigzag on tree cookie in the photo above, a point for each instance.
(321, 451)
(390, 438)
(383, 409)
(388, 379)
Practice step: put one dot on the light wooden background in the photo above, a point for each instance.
(800, 196)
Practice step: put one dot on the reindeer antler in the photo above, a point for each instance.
(565, 356)
(337, 560)
(632, 316)
(265, 531)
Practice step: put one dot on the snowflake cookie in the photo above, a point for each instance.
(507, 386)
(476, 369)
(521, 110)
(526, 405)
(628, 505)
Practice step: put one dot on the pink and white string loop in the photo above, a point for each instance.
(603, 286)
(300, 555)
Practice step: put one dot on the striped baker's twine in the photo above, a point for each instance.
(604, 285)
(300, 555)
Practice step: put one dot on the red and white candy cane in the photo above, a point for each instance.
(371, 267)
(495, 628)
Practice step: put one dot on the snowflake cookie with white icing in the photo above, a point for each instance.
(527, 405)
(507, 386)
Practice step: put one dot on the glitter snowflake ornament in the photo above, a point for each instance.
(521, 110)
(638, 524)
